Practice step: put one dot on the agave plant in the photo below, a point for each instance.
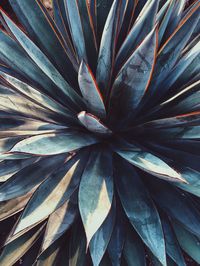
(100, 129)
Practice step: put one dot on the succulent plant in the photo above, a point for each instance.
(100, 129)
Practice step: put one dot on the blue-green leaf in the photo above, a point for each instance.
(16, 58)
(30, 176)
(88, 32)
(172, 245)
(90, 91)
(101, 238)
(16, 249)
(188, 242)
(13, 206)
(77, 247)
(42, 31)
(133, 79)
(165, 21)
(9, 167)
(133, 251)
(148, 162)
(52, 193)
(107, 50)
(53, 254)
(96, 191)
(93, 124)
(175, 17)
(59, 221)
(116, 243)
(61, 22)
(76, 29)
(101, 10)
(35, 95)
(50, 144)
(140, 208)
(177, 205)
(16, 105)
(141, 28)
(171, 49)
(44, 63)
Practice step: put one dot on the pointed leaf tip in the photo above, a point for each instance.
(90, 91)
(96, 192)
(93, 124)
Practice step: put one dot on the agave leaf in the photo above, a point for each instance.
(123, 9)
(101, 238)
(140, 209)
(154, 260)
(179, 68)
(30, 176)
(192, 178)
(192, 119)
(9, 156)
(51, 144)
(76, 29)
(14, 104)
(133, 249)
(172, 245)
(170, 262)
(7, 143)
(15, 250)
(15, 57)
(52, 193)
(133, 79)
(148, 162)
(107, 50)
(88, 32)
(181, 103)
(43, 63)
(51, 256)
(9, 167)
(188, 242)
(162, 11)
(101, 9)
(191, 44)
(59, 221)
(188, 103)
(13, 206)
(165, 21)
(172, 48)
(126, 14)
(42, 31)
(92, 10)
(93, 124)
(26, 127)
(185, 159)
(183, 132)
(31, 255)
(35, 95)
(90, 91)
(141, 28)
(61, 22)
(175, 17)
(116, 243)
(177, 205)
(96, 191)
(77, 248)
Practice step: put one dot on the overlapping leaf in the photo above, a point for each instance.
(140, 209)
(96, 192)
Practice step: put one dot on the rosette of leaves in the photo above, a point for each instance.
(100, 129)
